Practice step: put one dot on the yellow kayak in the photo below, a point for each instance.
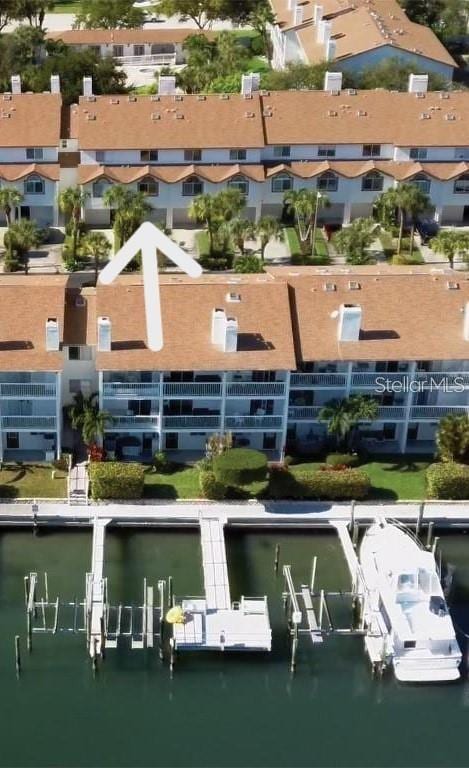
(175, 615)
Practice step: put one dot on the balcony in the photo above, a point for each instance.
(191, 389)
(263, 423)
(298, 413)
(28, 423)
(391, 413)
(134, 389)
(369, 380)
(435, 412)
(255, 389)
(319, 380)
(28, 391)
(133, 423)
(443, 379)
(154, 59)
(192, 422)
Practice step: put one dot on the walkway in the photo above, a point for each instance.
(217, 588)
(95, 589)
(78, 483)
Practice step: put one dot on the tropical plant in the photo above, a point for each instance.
(130, 209)
(267, 229)
(71, 202)
(241, 230)
(452, 439)
(260, 19)
(9, 198)
(81, 403)
(450, 242)
(248, 264)
(305, 204)
(353, 241)
(97, 247)
(216, 210)
(21, 237)
(342, 417)
(410, 201)
(85, 416)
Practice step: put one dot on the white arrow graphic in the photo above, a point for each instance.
(148, 239)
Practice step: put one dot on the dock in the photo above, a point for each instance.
(213, 622)
(96, 589)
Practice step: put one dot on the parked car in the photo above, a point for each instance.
(427, 229)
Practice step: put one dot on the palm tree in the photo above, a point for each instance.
(305, 204)
(94, 425)
(203, 210)
(71, 202)
(409, 200)
(415, 203)
(240, 230)
(9, 199)
(81, 403)
(267, 229)
(352, 241)
(260, 19)
(449, 242)
(130, 209)
(342, 416)
(97, 247)
(21, 237)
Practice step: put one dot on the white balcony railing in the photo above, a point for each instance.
(319, 380)
(191, 422)
(133, 423)
(255, 389)
(27, 423)
(253, 422)
(192, 389)
(374, 379)
(156, 59)
(443, 379)
(437, 411)
(132, 389)
(26, 391)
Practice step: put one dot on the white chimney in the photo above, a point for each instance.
(231, 335)
(167, 85)
(87, 86)
(418, 84)
(52, 335)
(330, 50)
(218, 327)
(16, 84)
(246, 85)
(333, 81)
(324, 32)
(55, 84)
(291, 4)
(104, 334)
(350, 320)
(317, 14)
(298, 15)
(466, 321)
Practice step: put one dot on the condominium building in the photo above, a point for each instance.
(256, 356)
(356, 35)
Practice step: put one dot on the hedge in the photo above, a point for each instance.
(448, 481)
(210, 487)
(240, 466)
(331, 485)
(345, 459)
(116, 480)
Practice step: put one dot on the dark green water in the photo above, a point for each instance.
(225, 711)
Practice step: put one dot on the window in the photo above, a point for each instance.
(95, 49)
(372, 182)
(327, 150)
(117, 50)
(79, 353)
(79, 385)
(149, 187)
(192, 155)
(34, 185)
(371, 150)
(238, 154)
(34, 153)
(461, 185)
(13, 441)
(192, 186)
(328, 182)
(282, 183)
(241, 183)
(282, 151)
(418, 153)
(422, 182)
(162, 48)
(74, 353)
(139, 50)
(461, 153)
(100, 156)
(149, 156)
(99, 187)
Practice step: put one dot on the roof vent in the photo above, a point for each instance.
(353, 285)
(155, 116)
(233, 297)
(331, 113)
(132, 97)
(7, 97)
(178, 97)
(444, 95)
(249, 114)
(80, 301)
(420, 95)
(361, 113)
(425, 116)
(179, 116)
(329, 287)
(201, 97)
(452, 285)
(114, 101)
(91, 116)
(450, 116)
(155, 97)
(351, 91)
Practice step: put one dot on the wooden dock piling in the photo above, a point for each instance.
(277, 558)
(17, 655)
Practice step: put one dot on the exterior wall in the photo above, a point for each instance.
(79, 370)
(167, 157)
(18, 155)
(384, 52)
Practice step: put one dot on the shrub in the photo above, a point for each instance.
(240, 466)
(62, 463)
(95, 452)
(216, 263)
(116, 480)
(258, 46)
(343, 459)
(452, 438)
(330, 485)
(161, 463)
(448, 481)
(210, 487)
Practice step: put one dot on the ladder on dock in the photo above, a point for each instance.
(96, 590)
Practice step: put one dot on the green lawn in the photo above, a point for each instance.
(392, 479)
(183, 483)
(67, 6)
(32, 481)
(300, 252)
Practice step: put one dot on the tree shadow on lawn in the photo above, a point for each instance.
(21, 470)
(160, 491)
(382, 494)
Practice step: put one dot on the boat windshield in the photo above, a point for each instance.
(406, 582)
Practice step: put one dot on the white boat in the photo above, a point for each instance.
(404, 585)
